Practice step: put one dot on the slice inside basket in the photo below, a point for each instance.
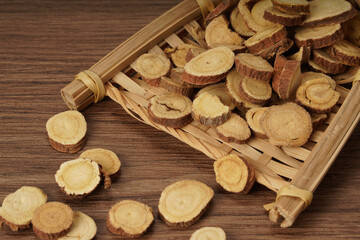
(255, 91)
(257, 12)
(178, 54)
(324, 60)
(345, 52)
(277, 48)
(210, 233)
(253, 117)
(173, 87)
(287, 19)
(218, 89)
(235, 129)
(244, 10)
(238, 23)
(253, 66)
(293, 6)
(303, 55)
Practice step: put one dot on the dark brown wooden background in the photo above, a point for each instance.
(43, 44)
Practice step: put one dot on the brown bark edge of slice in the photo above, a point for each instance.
(222, 8)
(253, 117)
(68, 148)
(255, 91)
(173, 87)
(345, 52)
(235, 129)
(253, 66)
(289, 7)
(277, 48)
(333, 66)
(303, 55)
(238, 23)
(287, 19)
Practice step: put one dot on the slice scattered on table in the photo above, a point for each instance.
(253, 117)
(235, 129)
(345, 52)
(266, 38)
(171, 110)
(18, 208)
(253, 66)
(218, 89)
(67, 131)
(129, 218)
(208, 233)
(107, 159)
(82, 228)
(52, 220)
(287, 125)
(182, 203)
(234, 174)
(293, 6)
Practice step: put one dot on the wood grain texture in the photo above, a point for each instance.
(43, 44)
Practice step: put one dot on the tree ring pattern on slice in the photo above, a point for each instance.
(209, 233)
(235, 129)
(265, 38)
(345, 52)
(253, 117)
(253, 66)
(107, 159)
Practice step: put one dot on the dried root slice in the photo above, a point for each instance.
(266, 38)
(303, 55)
(209, 233)
(287, 19)
(238, 23)
(152, 67)
(324, 60)
(129, 218)
(277, 48)
(18, 208)
(244, 10)
(82, 228)
(235, 48)
(287, 77)
(173, 87)
(255, 91)
(209, 110)
(176, 76)
(235, 129)
(182, 203)
(352, 29)
(67, 131)
(253, 117)
(233, 81)
(345, 52)
(307, 76)
(172, 110)
(317, 119)
(286, 125)
(52, 220)
(317, 96)
(209, 67)
(319, 37)
(78, 177)
(293, 6)
(219, 90)
(222, 8)
(327, 12)
(258, 10)
(193, 52)
(234, 174)
(107, 159)
(253, 66)
(178, 54)
(219, 33)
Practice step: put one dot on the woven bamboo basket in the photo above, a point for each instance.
(303, 167)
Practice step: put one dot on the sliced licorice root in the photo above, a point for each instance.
(243, 7)
(18, 207)
(352, 29)
(67, 131)
(287, 77)
(238, 23)
(235, 48)
(222, 8)
(317, 119)
(174, 87)
(307, 76)
(293, 6)
(52, 220)
(183, 203)
(324, 60)
(317, 95)
(171, 110)
(235, 129)
(255, 91)
(253, 66)
(152, 67)
(303, 55)
(218, 89)
(317, 68)
(345, 52)
(219, 33)
(209, 233)
(209, 67)
(79, 177)
(318, 37)
(178, 54)
(129, 218)
(257, 12)
(277, 48)
(193, 52)
(287, 125)
(234, 174)
(253, 117)
(265, 38)
(82, 228)
(287, 19)
(327, 12)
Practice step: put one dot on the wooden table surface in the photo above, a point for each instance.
(43, 44)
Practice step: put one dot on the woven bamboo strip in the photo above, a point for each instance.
(297, 152)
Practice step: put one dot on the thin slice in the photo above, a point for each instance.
(257, 12)
(235, 48)
(176, 76)
(352, 29)
(314, 66)
(182, 203)
(345, 52)
(209, 67)
(129, 218)
(82, 228)
(178, 54)
(317, 95)
(303, 55)
(321, 58)
(287, 125)
(277, 48)
(244, 10)
(193, 52)
(67, 131)
(78, 177)
(152, 67)
(18, 208)
(317, 119)
(52, 220)
(287, 19)
(253, 66)
(218, 89)
(171, 110)
(235, 129)
(209, 110)
(253, 117)
(223, 7)
(287, 77)
(208, 233)
(293, 6)
(107, 159)
(327, 12)
(307, 76)
(173, 87)
(266, 38)
(234, 174)
(255, 91)
(319, 37)
(238, 23)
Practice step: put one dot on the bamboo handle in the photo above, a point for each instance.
(322, 156)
